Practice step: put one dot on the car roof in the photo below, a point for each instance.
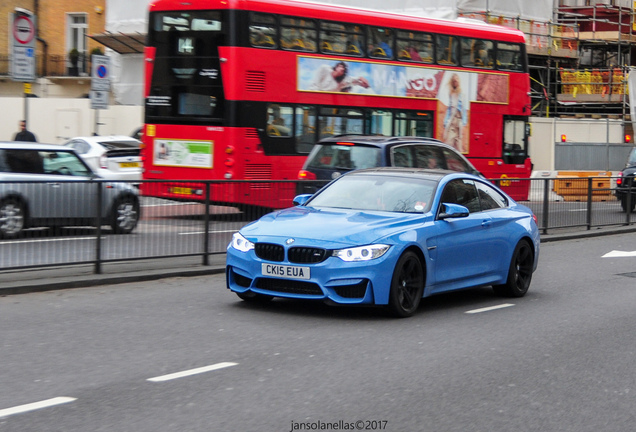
(105, 138)
(432, 174)
(382, 141)
(22, 145)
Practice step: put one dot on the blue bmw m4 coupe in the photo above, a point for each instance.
(388, 237)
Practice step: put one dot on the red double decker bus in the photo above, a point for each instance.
(242, 89)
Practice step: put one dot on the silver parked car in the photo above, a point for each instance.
(49, 185)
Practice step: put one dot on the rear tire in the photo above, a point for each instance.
(632, 204)
(125, 214)
(407, 285)
(12, 218)
(519, 272)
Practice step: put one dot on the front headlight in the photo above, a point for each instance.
(361, 253)
(241, 243)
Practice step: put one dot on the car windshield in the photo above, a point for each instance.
(381, 193)
(344, 157)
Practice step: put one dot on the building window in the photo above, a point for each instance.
(77, 25)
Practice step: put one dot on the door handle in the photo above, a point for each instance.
(55, 185)
(486, 223)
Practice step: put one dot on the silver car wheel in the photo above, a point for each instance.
(11, 218)
(126, 215)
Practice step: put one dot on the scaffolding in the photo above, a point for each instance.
(579, 62)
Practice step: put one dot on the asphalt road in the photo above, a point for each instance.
(559, 359)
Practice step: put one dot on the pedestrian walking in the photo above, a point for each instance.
(24, 134)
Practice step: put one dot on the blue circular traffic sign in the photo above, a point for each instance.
(102, 72)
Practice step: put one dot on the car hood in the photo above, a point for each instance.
(340, 227)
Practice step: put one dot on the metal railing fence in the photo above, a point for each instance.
(183, 227)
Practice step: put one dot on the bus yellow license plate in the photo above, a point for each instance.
(129, 164)
(284, 271)
(180, 190)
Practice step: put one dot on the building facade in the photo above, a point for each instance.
(63, 48)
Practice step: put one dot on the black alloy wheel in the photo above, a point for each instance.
(407, 285)
(519, 273)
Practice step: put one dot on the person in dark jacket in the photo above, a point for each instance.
(24, 134)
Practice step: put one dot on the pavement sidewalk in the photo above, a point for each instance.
(81, 276)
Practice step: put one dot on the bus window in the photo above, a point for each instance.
(414, 123)
(305, 128)
(298, 34)
(446, 54)
(380, 43)
(263, 30)
(476, 53)
(341, 39)
(509, 56)
(414, 46)
(279, 120)
(340, 121)
(379, 122)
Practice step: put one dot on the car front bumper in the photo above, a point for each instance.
(333, 280)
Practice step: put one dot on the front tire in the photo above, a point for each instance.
(407, 285)
(12, 218)
(125, 214)
(519, 272)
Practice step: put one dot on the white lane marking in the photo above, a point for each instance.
(47, 240)
(191, 372)
(36, 406)
(488, 309)
(619, 254)
(211, 232)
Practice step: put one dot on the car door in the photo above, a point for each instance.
(463, 252)
(71, 195)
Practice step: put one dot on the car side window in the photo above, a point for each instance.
(24, 161)
(462, 192)
(428, 157)
(63, 163)
(455, 162)
(402, 156)
(490, 198)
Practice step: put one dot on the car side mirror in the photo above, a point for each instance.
(451, 211)
(301, 199)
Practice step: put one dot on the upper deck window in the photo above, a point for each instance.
(380, 43)
(263, 30)
(477, 53)
(509, 56)
(446, 50)
(415, 46)
(178, 33)
(341, 38)
(298, 34)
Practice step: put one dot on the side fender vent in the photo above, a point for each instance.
(255, 81)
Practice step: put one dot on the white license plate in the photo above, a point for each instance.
(284, 271)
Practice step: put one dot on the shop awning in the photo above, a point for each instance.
(123, 43)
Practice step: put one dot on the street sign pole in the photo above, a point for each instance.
(100, 85)
(23, 33)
